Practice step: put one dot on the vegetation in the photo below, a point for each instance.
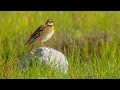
(90, 41)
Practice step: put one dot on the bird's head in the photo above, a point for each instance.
(49, 22)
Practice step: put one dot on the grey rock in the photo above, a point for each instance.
(46, 56)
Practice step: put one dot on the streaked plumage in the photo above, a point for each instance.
(42, 33)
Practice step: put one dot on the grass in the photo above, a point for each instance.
(90, 41)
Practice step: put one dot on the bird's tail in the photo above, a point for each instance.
(29, 41)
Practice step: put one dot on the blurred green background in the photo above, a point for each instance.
(89, 39)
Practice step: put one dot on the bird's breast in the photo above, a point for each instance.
(48, 36)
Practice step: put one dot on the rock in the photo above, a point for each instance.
(46, 56)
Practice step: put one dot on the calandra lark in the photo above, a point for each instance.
(42, 33)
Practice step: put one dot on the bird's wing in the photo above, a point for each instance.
(38, 32)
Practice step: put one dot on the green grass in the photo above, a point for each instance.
(90, 41)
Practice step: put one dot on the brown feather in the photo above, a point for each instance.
(35, 35)
(40, 33)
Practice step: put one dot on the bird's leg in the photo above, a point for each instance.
(43, 45)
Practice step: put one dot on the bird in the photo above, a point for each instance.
(42, 33)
